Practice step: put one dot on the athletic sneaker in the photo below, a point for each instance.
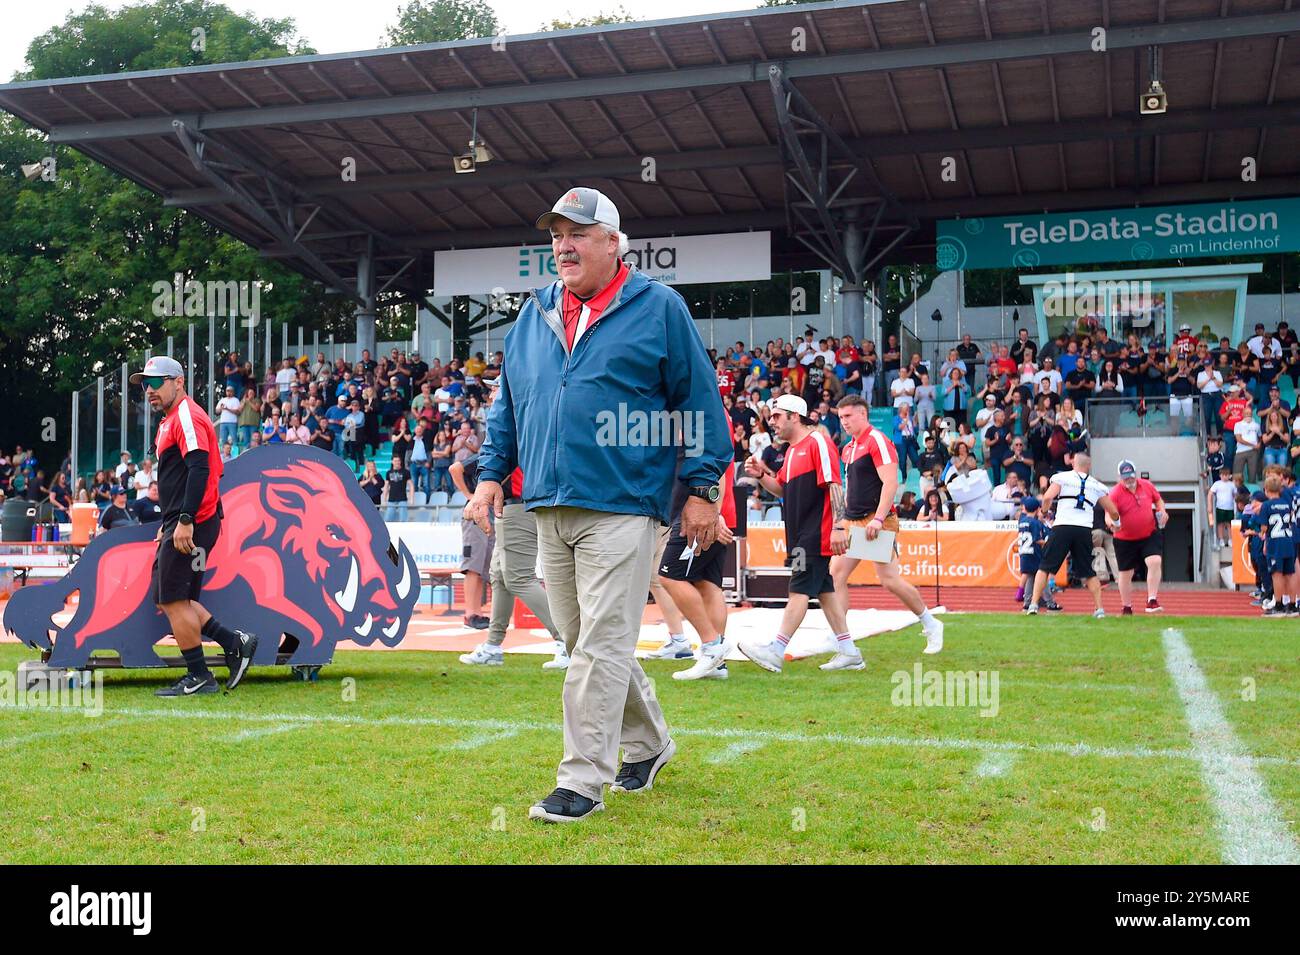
(769, 655)
(721, 673)
(675, 648)
(933, 638)
(1032, 610)
(640, 777)
(1051, 606)
(1153, 605)
(564, 805)
(1126, 612)
(561, 659)
(476, 621)
(1098, 614)
(708, 662)
(485, 654)
(845, 661)
(239, 661)
(190, 685)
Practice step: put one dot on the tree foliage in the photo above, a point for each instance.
(434, 21)
(79, 255)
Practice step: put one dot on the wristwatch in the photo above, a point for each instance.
(710, 493)
(185, 519)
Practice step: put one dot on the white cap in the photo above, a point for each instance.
(791, 403)
(159, 366)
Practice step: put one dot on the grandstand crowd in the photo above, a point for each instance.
(1015, 409)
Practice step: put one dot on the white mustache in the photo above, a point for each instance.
(568, 257)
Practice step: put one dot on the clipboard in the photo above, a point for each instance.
(880, 550)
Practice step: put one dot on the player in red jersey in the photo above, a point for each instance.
(189, 472)
(812, 504)
(871, 473)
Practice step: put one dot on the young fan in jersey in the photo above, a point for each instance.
(1078, 493)
(812, 505)
(871, 475)
(1031, 536)
(1277, 522)
(694, 580)
(189, 472)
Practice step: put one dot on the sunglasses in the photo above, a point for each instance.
(154, 381)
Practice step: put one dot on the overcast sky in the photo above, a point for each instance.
(341, 26)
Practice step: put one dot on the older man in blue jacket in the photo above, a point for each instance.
(604, 377)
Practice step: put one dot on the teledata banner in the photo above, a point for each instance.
(1120, 235)
(678, 260)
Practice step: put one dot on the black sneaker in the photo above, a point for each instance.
(1126, 612)
(639, 777)
(1053, 606)
(239, 661)
(564, 805)
(190, 685)
(477, 621)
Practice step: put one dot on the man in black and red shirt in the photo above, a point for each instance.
(871, 473)
(693, 578)
(812, 506)
(189, 471)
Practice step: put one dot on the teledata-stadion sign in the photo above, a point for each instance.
(1119, 235)
(679, 260)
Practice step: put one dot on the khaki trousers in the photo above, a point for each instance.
(597, 568)
(514, 573)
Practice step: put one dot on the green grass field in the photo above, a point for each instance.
(1088, 759)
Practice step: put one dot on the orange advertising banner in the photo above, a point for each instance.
(961, 554)
(1243, 568)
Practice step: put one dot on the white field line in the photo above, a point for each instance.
(482, 739)
(91, 725)
(765, 736)
(995, 764)
(734, 751)
(261, 731)
(1252, 828)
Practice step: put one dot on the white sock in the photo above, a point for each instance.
(844, 643)
(782, 639)
(927, 621)
(676, 637)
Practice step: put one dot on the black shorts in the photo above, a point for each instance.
(705, 567)
(1073, 541)
(178, 576)
(815, 577)
(1129, 554)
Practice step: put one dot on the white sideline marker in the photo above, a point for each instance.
(995, 764)
(1252, 828)
(734, 751)
(1077, 750)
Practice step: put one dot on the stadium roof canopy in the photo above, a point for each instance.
(826, 123)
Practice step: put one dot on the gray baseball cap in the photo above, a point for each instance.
(582, 205)
(159, 366)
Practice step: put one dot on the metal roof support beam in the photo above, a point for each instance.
(1034, 46)
(195, 148)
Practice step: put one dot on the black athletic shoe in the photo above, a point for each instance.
(564, 805)
(1053, 606)
(1126, 612)
(239, 661)
(478, 621)
(190, 685)
(638, 777)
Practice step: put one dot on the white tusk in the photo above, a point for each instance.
(391, 632)
(404, 585)
(364, 629)
(347, 597)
